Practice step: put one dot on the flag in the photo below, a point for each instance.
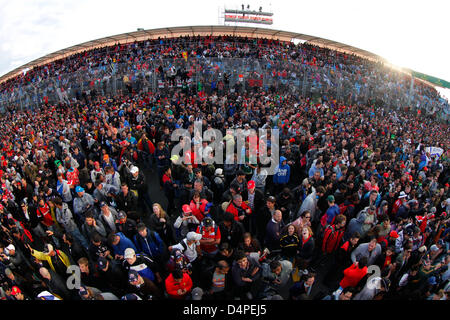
(185, 55)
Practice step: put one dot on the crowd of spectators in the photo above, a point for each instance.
(215, 61)
(355, 190)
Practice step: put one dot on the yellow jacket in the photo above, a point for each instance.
(45, 257)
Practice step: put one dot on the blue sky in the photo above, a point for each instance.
(412, 34)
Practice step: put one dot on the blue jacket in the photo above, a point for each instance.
(123, 244)
(152, 248)
(332, 212)
(282, 172)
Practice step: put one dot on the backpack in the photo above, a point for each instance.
(343, 208)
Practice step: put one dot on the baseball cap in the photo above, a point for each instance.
(186, 208)
(330, 198)
(207, 222)
(102, 203)
(121, 214)
(133, 276)
(251, 184)
(423, 249)
(105, 157)
(393, 234)
(271, 199)
(134, 169)
(402, 195)
(432, 280)
(174, 158)
(83, 291)
(197, 293)
(10, 247)
(102, 263)
(129, 253)
(79, 189)
(131, 296)
(15, 290)
(191, 236)
(219, 172)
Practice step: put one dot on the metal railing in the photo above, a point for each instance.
(206, 73)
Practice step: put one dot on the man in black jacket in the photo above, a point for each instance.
(246, 273)
(136, 183)
(231, 231)
(128, 202)
(56, 284)
(273, 231)
(255, 198)
(113, 274)
(72, 248)
(126, 225)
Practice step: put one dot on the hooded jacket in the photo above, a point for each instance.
(151, 245)
(65, 218)
(123, 244)
(310, 204)
(355, 225)
(282, 172)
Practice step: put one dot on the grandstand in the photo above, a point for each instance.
(13, 89)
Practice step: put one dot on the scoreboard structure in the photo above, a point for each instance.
(248, 16)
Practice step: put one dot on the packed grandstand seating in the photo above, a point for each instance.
(89, 177)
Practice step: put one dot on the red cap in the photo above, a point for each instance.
(447, 185)
(386, 175)
(251, 184)
(425, 169)
(393, 234)
(15, 290)
(186, 208)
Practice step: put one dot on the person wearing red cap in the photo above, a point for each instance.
(254, 198)
(18, 294)
(185, 222)
(238, 208)
(97, 171)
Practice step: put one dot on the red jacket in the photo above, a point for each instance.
(332, 238)
(352, 275)
(172, 286)
(199, 212)
(232, 208)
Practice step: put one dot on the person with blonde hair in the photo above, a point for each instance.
(158, 222)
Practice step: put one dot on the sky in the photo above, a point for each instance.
(408, 33)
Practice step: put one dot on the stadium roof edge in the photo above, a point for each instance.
(170, 32)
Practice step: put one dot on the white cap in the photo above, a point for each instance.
(402, 195)
(218, 172)
(11, 247)
(197, 293)
(129, 253)
(134, 169)
(191, 236)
